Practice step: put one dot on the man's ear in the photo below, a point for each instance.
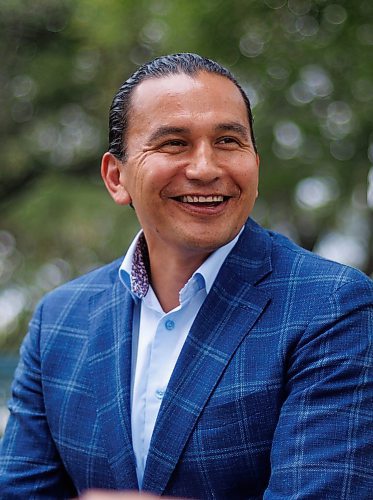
(257, 166)
(111, 169)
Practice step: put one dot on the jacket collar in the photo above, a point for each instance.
(110, 349)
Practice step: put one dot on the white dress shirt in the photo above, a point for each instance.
(157, 340)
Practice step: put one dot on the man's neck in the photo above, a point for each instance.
(168, 279)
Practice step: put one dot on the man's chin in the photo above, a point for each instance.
(206, 242)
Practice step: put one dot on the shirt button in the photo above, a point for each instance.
(170, 325)
(159, 393)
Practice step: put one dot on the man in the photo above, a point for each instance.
(218, 359)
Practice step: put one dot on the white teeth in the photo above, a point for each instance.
(202, 199)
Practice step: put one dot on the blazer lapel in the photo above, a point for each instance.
(110, 364)
(229, 312)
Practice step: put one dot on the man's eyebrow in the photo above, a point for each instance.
(234, 127)
(164, 131)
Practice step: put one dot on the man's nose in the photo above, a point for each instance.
(203, 165)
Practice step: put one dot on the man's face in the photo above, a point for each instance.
(191, 170)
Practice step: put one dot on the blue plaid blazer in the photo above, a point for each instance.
(269, 397)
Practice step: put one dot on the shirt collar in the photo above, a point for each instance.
(211, 266)
(133, 271)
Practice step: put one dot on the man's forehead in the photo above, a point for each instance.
(199, 104)
(183, 83)
(176, 96)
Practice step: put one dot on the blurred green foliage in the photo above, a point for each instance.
(306, 65)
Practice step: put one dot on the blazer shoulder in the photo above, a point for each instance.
(291, 260)
(85, 286)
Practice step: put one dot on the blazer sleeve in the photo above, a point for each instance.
(323, 443)
(30, 466)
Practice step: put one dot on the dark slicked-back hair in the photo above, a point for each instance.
(184, 63)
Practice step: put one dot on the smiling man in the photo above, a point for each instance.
(217, 359)
(191, 172)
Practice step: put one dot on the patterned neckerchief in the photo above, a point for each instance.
(140, 270)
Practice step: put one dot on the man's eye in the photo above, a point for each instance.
(174, 142)
(228, 140)
(173, 146)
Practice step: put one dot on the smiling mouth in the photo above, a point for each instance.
(200, 200)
